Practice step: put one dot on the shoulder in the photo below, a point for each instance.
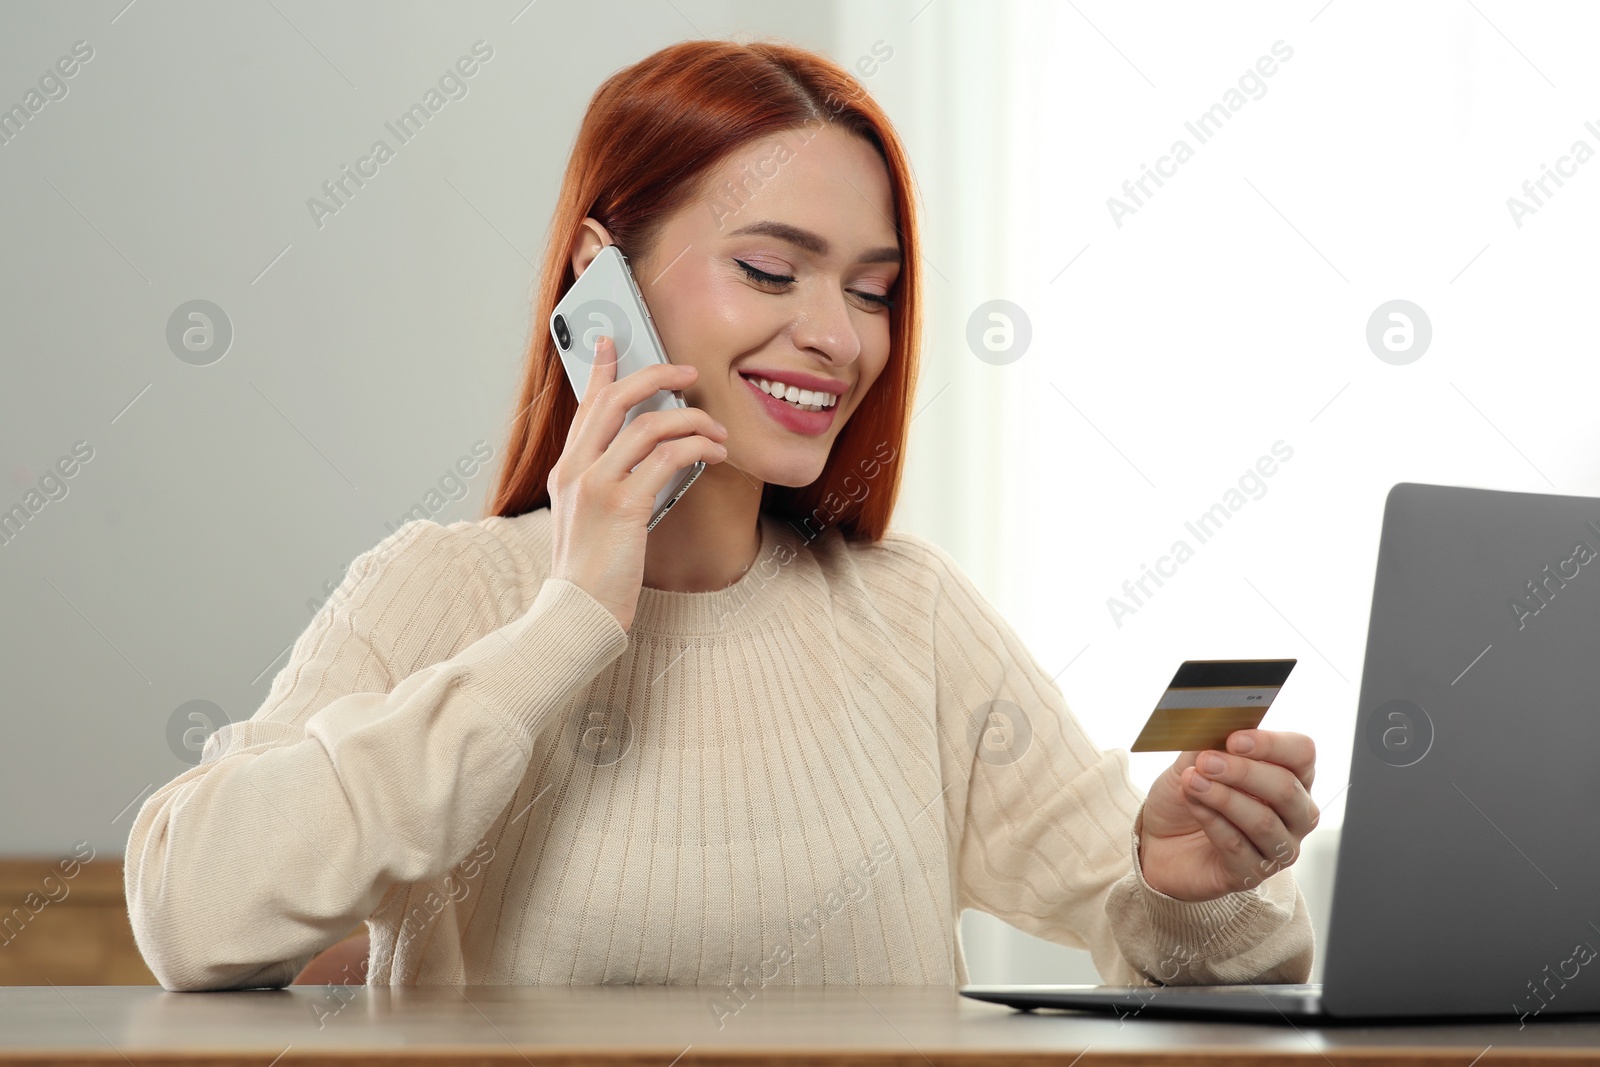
(900, 561)
(924, 593)
(483, 572)
(902, 552)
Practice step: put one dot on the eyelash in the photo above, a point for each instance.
(784, 279)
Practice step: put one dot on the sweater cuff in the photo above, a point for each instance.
(1192, 930)
(530, 667)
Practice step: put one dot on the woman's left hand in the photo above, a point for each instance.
(1208, 833)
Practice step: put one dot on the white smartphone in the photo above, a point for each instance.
(606, 302)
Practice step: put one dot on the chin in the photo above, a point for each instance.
(794, 470)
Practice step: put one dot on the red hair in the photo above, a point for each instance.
(650, 138)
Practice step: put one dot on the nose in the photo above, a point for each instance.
(822, 324)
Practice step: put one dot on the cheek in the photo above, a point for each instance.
(707, 322)
(876, 357)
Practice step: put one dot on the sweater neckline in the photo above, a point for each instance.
(738, 607)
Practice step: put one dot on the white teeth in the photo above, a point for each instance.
(805, 399)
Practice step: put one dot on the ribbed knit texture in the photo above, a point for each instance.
(799, 779)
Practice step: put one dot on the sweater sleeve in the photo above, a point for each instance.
(1045, 826)
(393, 738)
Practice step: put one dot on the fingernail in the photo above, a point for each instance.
(1212, 763)
(1199, 784)
(1243, 743)
(719, 426)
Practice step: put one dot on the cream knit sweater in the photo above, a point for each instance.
(800, 779)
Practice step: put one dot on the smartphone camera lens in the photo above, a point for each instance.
(563, 335)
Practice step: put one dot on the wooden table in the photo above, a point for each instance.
(663, 1026)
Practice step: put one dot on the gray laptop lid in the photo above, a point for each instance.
(1477, 750)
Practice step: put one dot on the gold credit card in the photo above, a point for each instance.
(1208, 699)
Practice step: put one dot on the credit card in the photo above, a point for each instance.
(1208, 699)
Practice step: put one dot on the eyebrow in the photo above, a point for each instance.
(815, 243)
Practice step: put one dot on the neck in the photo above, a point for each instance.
(710, 537)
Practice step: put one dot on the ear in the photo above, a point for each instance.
(591, 238)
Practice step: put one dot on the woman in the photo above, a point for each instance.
(770, 741)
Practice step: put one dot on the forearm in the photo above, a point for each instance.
(243, 868)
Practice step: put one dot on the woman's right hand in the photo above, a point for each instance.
(599, 505)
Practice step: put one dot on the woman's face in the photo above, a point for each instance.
(773, 273)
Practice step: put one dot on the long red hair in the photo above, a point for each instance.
(651, 135)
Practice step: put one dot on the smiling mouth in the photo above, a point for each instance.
(799, 399)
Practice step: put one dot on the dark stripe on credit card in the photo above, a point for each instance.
(1233, 673)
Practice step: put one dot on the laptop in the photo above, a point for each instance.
(1468, 877)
